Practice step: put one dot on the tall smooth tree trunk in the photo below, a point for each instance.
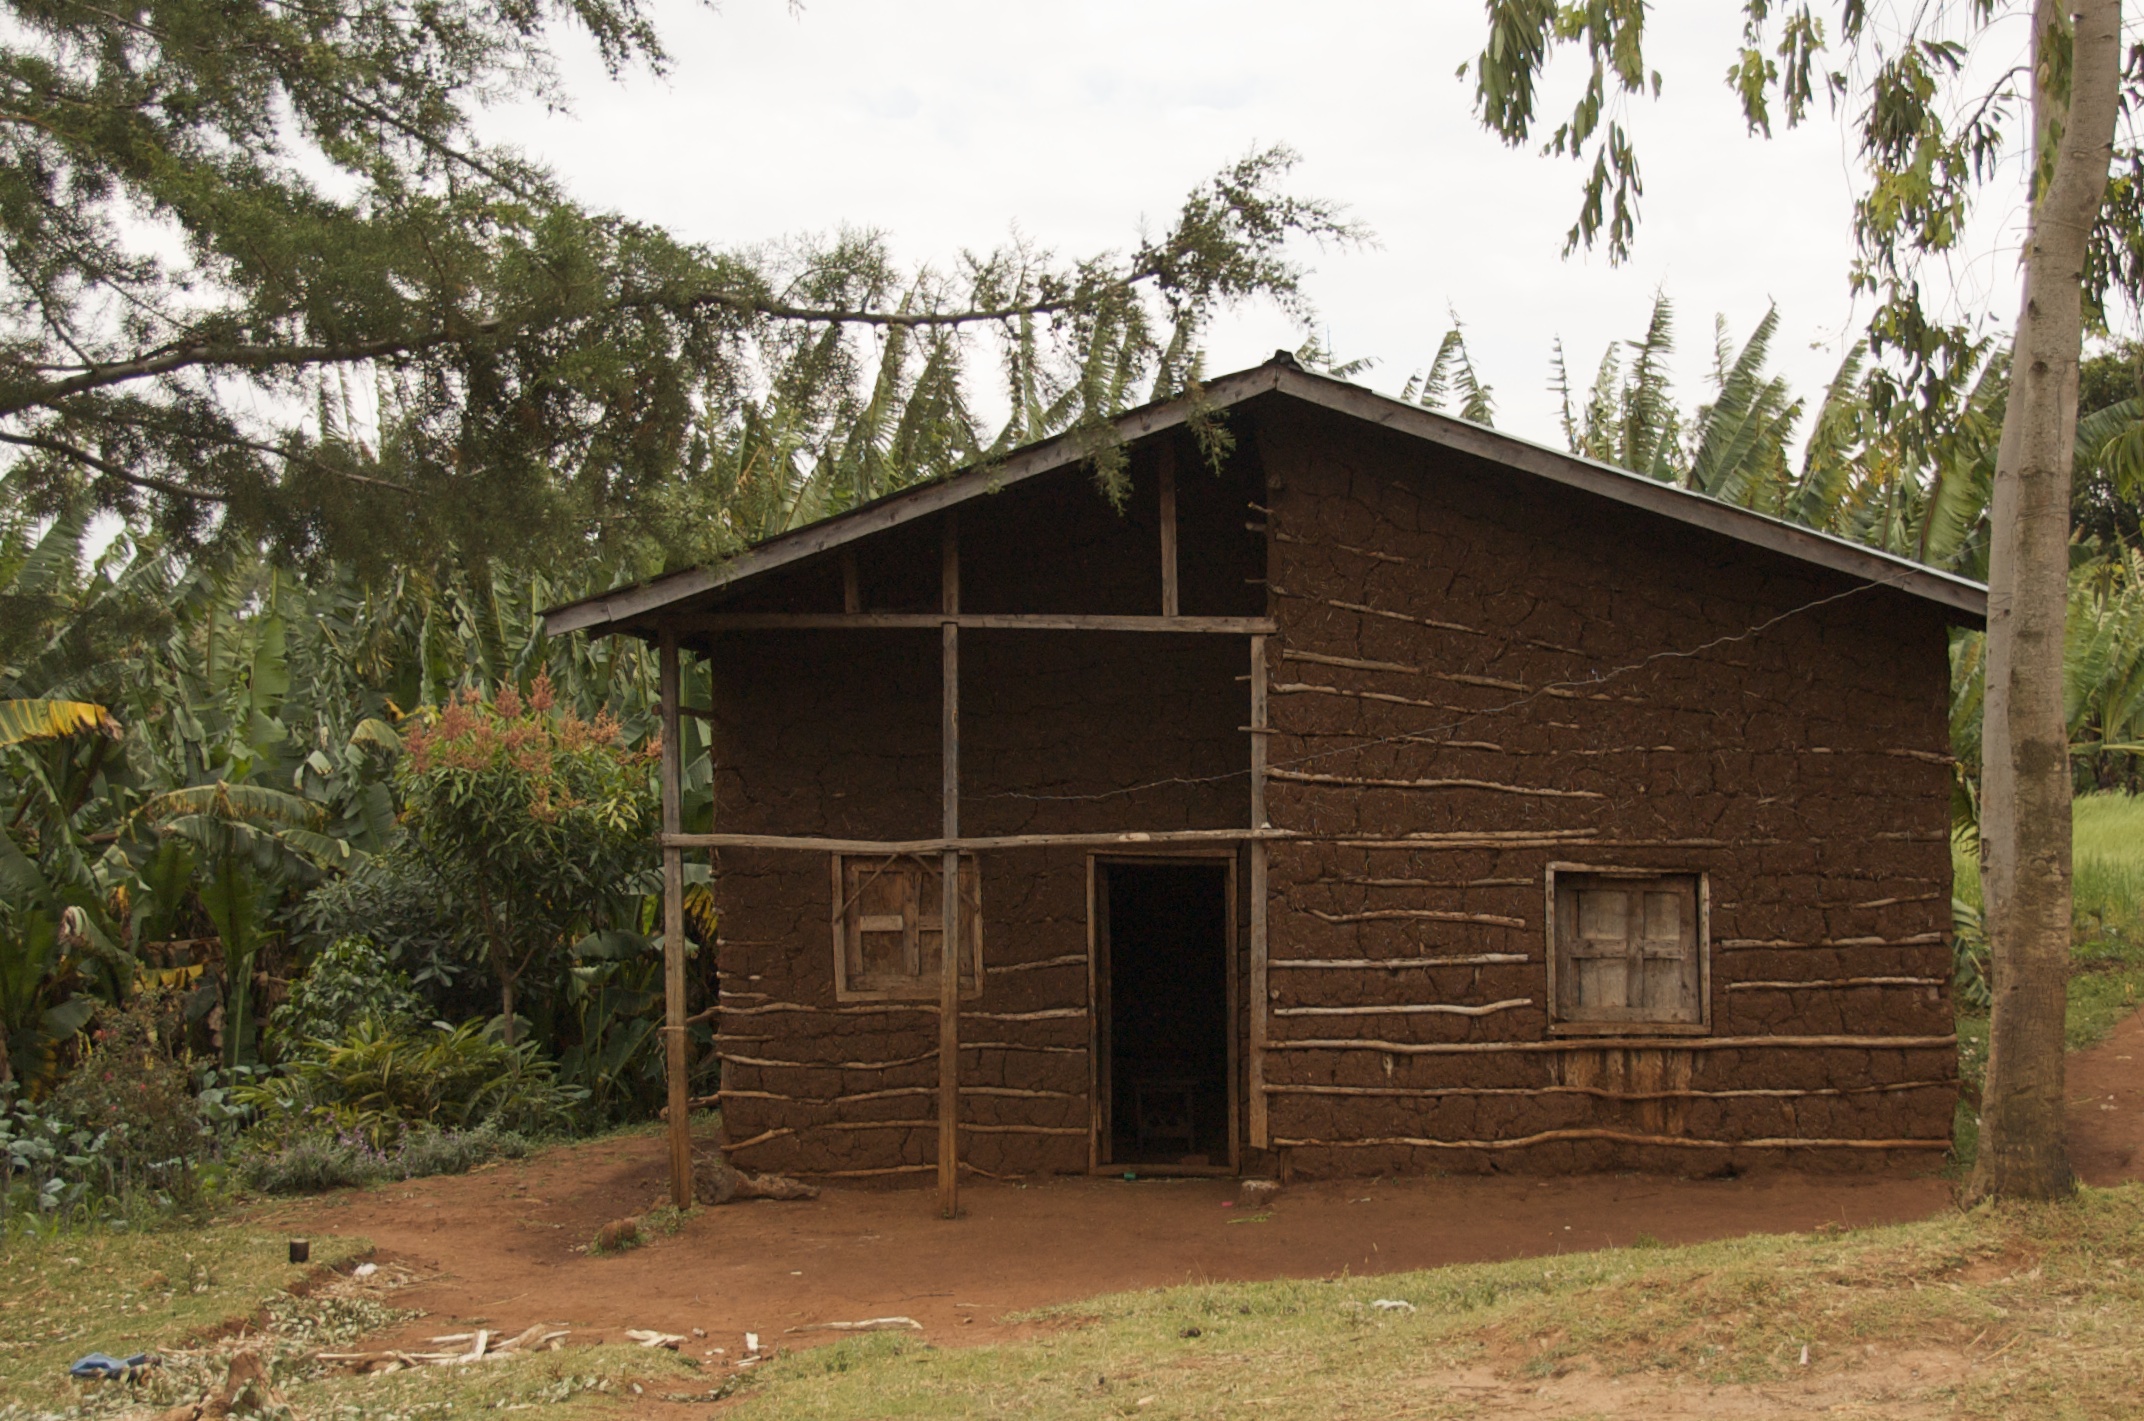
(2025, 814)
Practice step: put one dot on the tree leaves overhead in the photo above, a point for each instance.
(260, 285)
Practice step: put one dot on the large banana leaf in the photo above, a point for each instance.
(42, 719)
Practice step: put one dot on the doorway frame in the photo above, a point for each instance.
(1099, 1084)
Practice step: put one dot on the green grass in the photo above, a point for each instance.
(2041, 1299)
(95, 1290)
(180, 1287)
(2107, 952)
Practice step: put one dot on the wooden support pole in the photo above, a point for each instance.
(949, 944)
(674, 934)
(852, 595)
(1261, 1002)
(1168, 529)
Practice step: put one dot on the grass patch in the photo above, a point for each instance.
(2107, 945)
(572, 1382)
(95, 1290)
(2041, 1299)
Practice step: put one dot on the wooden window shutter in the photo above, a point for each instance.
(1628, 949)
(889, 926)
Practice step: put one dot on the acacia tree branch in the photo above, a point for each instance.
(105, 466)
(190, 355)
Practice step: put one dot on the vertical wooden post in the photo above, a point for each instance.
(950, 945)
(852, 596)
(1168, 530)
(1260, 1003)
(674, 933)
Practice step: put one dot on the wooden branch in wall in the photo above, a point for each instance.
(1470, 959)
(1355, 663)
(1622, 1137)
(1312, 688)
(1411, 1009)
(1070, 959)
(831, 1065)
(759, 1139)
(1046, 1014)
(1835, 982)
(1023, 1046)
(1370, 611)
(1431, 915)
(804, 843)
(1621, 1043)
(1601, 1093)
(716, 622)
(968, 1126)
(1371, 553)
(1367, 782)
(1915, 940)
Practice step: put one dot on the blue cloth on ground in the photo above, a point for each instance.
(96, 1365)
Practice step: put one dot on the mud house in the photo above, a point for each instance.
(1399, 795)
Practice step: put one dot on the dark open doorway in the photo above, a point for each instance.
(1164, 941)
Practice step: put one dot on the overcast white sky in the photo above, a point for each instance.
(946, 122)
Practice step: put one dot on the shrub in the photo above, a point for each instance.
(398, 902)
(540, 819)
(380, 1081)
(349, 980)
(133, 1093)
(315, 1161)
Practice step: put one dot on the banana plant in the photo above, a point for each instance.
(251, 842)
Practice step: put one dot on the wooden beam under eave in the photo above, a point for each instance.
(983, 843)
(709, 622)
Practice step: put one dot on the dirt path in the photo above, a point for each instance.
(2106, 1095)
(505, 1244)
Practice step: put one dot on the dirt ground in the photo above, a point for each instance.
(507, 1246)
(2106, 1095)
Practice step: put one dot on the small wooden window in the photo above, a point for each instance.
(1627, 951)
(889, 926)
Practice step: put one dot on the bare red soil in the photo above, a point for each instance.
(507, 1245)
(2106, 1095)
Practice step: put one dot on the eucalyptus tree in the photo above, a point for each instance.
(1929, 146)
(262, 283)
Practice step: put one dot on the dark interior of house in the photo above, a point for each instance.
(1168, 1012)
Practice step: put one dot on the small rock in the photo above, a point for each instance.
(618, 1234)
(1189, 1332)
(1260, 1191)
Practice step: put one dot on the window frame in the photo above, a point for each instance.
(926, 989)
(1559, 1026)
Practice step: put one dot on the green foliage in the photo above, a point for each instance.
(268, 287)
(134, 1087)
(314, 1161)
(346, 982)
(539, 817)
(382, 1080)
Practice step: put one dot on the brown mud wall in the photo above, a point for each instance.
(1588, 684)
(837, 734)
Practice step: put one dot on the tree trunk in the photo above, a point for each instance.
(2025, 813)
(506, 1006)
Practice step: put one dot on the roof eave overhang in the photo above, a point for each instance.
(629, 609)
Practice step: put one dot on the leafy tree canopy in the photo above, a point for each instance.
(261, 284)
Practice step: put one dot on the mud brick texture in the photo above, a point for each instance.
(1478, 677)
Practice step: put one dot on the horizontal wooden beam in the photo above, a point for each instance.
(1131, 840)
(978, 621)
